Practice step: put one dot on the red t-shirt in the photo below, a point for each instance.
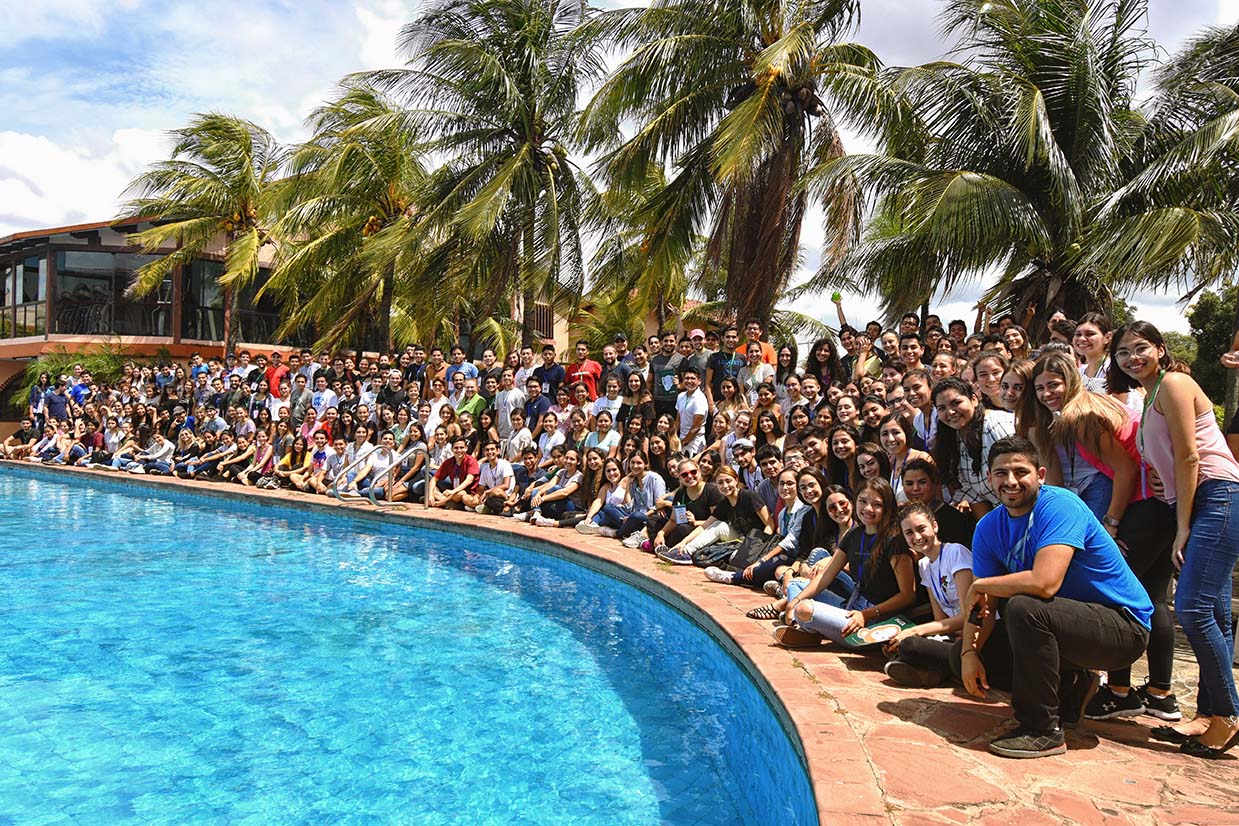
(468, 467)
(587, 373)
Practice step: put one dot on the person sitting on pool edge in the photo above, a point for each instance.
(1071, 602)
(456, 479)
(921, 655)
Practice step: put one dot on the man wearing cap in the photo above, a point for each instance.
(744, 454)
(585, 370)
(697, 355)
(620, 342)
(276, 371)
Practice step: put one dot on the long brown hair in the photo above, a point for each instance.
(888, 525)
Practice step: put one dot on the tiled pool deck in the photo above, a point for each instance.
(877, 753)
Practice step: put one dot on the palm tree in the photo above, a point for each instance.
(1175, 222)
(1001, 161)
(730, 94)
(623, 270)
(494, 84)
(218, 180)
(359, 173)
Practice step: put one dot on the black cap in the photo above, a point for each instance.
(618, 337)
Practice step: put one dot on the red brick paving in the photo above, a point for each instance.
(880, 755)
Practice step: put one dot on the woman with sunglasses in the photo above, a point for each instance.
(683, 508)
(1178, 437)
(738, 513)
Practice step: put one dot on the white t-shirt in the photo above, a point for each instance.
(688, 406)
(492, 477)
(939, 575)
(546, 441)
(603, 403)
(505, 402)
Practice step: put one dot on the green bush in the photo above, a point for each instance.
(104, 361)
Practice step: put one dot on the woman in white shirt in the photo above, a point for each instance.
(921, 655)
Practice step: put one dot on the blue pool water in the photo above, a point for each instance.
(172, 658)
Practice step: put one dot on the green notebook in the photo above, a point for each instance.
(878, 634)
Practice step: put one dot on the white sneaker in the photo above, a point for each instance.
(480, 509)
(715, 574)
(546, 522)
(633, 540)
(521, 517)
(609, 533)
(141, 471)
(587, 528)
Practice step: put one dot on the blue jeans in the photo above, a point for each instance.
(1097, 495)
(1202, 601)
(556, 508)
(830, 611)
(612, 516)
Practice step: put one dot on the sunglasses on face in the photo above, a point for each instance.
(688, 474)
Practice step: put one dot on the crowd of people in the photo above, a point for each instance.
(1022, 504)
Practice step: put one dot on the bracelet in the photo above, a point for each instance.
(877, 612)
(968, 651)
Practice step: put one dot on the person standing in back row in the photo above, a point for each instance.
(1179, 438)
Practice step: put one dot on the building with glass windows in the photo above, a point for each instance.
(65, 287)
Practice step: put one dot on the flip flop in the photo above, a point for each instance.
(791, 637)
(766, 612)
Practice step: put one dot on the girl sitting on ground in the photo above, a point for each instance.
(682, 509)
(737, 513)
(883, 577)
(920, 658)
(295, 461)
(262, 462)
(612, 492)
(545, 502)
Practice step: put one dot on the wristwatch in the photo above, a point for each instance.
(1110, 521)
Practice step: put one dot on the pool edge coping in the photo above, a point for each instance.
(792, 694)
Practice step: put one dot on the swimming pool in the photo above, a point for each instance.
(174, 657)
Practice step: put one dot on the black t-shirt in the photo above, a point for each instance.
(877, 582)
(742, 517)
(703, 505)
(724, 367)
(26, 436)
(392, 398)
(954, 525)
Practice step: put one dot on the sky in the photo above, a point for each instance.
(89, 89)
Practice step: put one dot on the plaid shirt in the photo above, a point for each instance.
(973, 485)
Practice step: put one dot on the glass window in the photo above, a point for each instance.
(33, 279)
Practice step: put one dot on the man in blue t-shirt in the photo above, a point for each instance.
(1072, 603)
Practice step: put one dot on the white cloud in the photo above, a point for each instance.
(55, 18)
(381, 21)
(70, 185)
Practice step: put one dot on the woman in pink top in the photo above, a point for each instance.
(1179, 438)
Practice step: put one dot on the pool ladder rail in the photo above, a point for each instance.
(386, 504)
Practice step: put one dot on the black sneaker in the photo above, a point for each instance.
(908, 675)
(1107, 705)
(1023, 744)
(1075, 691)
(1163, 708)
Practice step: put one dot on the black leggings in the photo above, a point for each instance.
(1148, 530)
(672, 535)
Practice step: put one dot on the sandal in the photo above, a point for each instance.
(766, 612)
(773, 588)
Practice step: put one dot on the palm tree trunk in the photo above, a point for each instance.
(385, 299)
(527, 292)
(232, 320)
